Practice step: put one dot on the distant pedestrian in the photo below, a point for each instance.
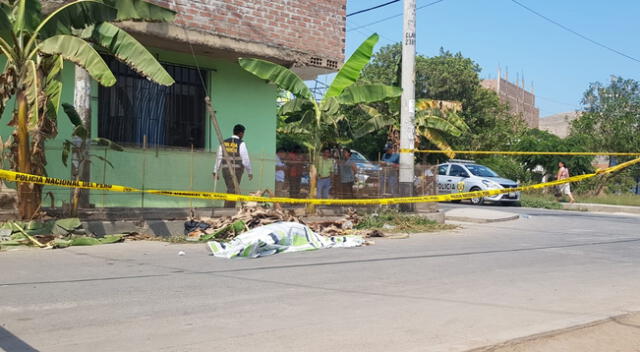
(565, 188)
(390, 168)
(348, 171)
(239, 161)
(326, 168)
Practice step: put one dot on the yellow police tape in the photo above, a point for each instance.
(491, 152)
(52, 181)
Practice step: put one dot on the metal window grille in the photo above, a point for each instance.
(136, 107)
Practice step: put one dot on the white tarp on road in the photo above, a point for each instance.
(281, 237)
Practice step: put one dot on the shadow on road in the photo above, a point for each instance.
(11, 342)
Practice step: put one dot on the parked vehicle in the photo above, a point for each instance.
(368, 172)
(458, 176)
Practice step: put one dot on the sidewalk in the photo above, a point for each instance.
(602, 208)
(619, 333)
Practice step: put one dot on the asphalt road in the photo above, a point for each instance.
(477, 286)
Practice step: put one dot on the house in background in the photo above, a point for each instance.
(521, 102)
(166, 130)
(558, 124)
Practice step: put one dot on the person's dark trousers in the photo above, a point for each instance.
(294, 187)
(228, 180)
(347, 190)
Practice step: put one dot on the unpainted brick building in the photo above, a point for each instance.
(521, 102)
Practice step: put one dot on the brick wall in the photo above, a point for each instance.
(520, 101)
(315, 27)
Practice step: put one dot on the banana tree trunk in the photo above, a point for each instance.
(28, 195)
(313, 182)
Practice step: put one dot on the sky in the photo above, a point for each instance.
(499, 33)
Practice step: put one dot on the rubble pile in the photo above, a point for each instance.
(255, 215)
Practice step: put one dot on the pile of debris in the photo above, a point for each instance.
(250, 217)
(52, 233)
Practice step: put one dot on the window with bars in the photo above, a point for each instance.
(168, 116)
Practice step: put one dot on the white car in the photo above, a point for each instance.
(458, 176)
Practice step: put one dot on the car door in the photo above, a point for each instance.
(456, 175)
(441, 179)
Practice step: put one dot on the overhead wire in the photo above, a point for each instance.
(372, 8)
(394, 16)
(593, 41)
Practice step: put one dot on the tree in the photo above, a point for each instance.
(318, 122)
(610, 121)
(79, 146)
(36, 44)
(535, 140)
(434, 119)
(453, 77)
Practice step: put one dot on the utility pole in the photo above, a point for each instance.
(408, 111)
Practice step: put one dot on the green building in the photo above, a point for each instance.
(168, 136)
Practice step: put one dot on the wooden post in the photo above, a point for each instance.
(225, 155)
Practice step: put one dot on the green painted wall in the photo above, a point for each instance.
(237, 96)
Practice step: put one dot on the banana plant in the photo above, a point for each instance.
(77, 146)
(35, 46)
(434, 120)
(319, 121)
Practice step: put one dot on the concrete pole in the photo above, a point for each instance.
(82, 103)
(408, 111)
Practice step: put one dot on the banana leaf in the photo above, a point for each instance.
(295, 107)
(458, 122)
(90, 241)
(104, 142)
(350, 71)
(72, 113)
(440, 105)
(128, 50)
(282, 77)
(77, 15)
(139, 10)
(26, 16)
(437, 123)
(235, 228)
(66, 226)
(376, 122)
(369, 93)
(330, 106)
(53, 85)
(438, 140)
(81, 53)
(6, 30)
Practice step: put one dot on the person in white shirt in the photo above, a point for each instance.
(239, 161)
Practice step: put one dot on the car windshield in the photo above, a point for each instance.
(481, 171)
(358, 157)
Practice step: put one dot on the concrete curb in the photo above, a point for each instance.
(479, 216)
(480, 221)
(601, 208)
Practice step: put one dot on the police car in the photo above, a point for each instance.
(458, 176)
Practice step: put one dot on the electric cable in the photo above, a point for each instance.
(394, 16)
(574, 32)
(372, 8)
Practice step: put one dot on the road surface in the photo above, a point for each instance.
(452, 291)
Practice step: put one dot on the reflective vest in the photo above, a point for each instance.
(232, 146)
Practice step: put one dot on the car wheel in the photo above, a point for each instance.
(476, 201)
